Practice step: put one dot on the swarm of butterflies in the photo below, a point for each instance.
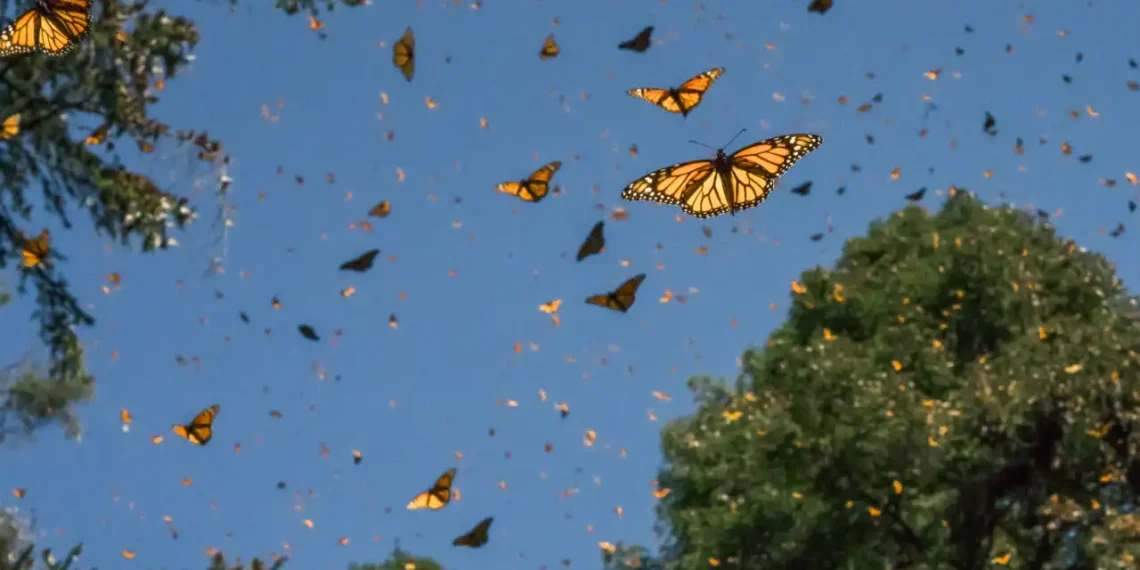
(726, 184)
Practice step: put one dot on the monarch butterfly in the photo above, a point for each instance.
(404, 54)
(639, 43)
(201, 429)
(549, 48)
(595, 242)
(361, 263)
(381, 210)
(52, 27)
(728, 183)
(681, 99)
(438, 496)
(308, 332)
(36, 250)
(477, 536)
(534, 188)
(821, 6)
(10, 127)
(622, 299)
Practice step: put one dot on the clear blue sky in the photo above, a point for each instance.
(452, 359)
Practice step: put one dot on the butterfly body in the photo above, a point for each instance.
(682, 99)
(51, 27)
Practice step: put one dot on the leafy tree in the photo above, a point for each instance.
(961, 392)
(400, 560)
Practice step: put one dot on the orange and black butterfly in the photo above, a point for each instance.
(621, 299)
(549, 48)
(728, 183)
(595, 242)
(534, 188)
(404, 54)
(35, 251)
(639, 43)
(438, 496)
(681, 99)
(381, 210)
(477, 536)
(51, 27)
(201, 429)
(361, 263)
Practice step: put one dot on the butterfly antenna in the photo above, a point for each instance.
(734, 137)
(702, 144)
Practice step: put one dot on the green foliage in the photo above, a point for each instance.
(627, 557)
(312, 6)
(218, 562)
(30, 400)
(961, 388)
(399, 560)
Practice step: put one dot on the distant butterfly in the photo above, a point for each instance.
(438, 496)
(52, 27)
(201, 429)
(803, 189)
(534, 188)
(621, 299)
(362, 263)
(681, 99)
(821, 6)
(381, 210)
(404, 54)
(916, 195)
(595, 242)
(639, 43)
(35, 251)
(726, 184)
(308, 332)
(477, 536)
(549, 48)
(10, 127)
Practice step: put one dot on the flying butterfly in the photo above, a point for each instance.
(361, 263)
(308, 332)
(404, 54)
(35, 251)
(621, 299)
(727, 183)
(477, 536)
(820, 6)
(681, 99)
(595, 242)
(535, 187)
(549, 48)
(381, 210)
(10, 127)
(640, 42)
(51, 27)
(200, 430)
(438, 496)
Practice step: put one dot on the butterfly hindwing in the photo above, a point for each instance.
(622, 298)
(595, 242)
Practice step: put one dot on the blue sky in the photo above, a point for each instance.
(452, 359)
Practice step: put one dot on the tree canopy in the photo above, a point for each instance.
(959, 392)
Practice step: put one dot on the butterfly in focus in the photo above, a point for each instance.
(35, 251)
(477, 536)
(361, 263)
(621, 299)
(404, 54)
(549, 48)
(51, 27)
(201, 429)
(681, 99)
(10, 127)
(534, 188)
(727, 183)
(595, 242)
(639, 43)
(438, 496)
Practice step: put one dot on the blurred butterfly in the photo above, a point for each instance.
(404, 54)
(10, 127)
(726, 184)
(362, 263)
(681, 99)
(534, 188)
(35, 251)
(803, 189)
(821, 6)
(437, 496)
(308, 332)
(639, 43)
(549, 48)
(477, 536)
(622, 299)
(595, 242)
(201, 429)
(916, 195)
(381, 210)
(52, 27)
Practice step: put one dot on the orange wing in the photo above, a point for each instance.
(52, 27)
(683, 99)
(534, 188)
(549, 48)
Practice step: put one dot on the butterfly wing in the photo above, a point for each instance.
(715, 195)
(20, 36)
(595, 242)
(200, 430)
(362, 263)
(639, 43)
(627, 293)
(35, 251)
(10, 127)
(63, 25)
(438, 496)
(404, 54)
(755, 168)
(661, 97)
(670, 185)
(477, 536)
(549, 48)
(381, 210)
(535, 187)
(690, 93)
